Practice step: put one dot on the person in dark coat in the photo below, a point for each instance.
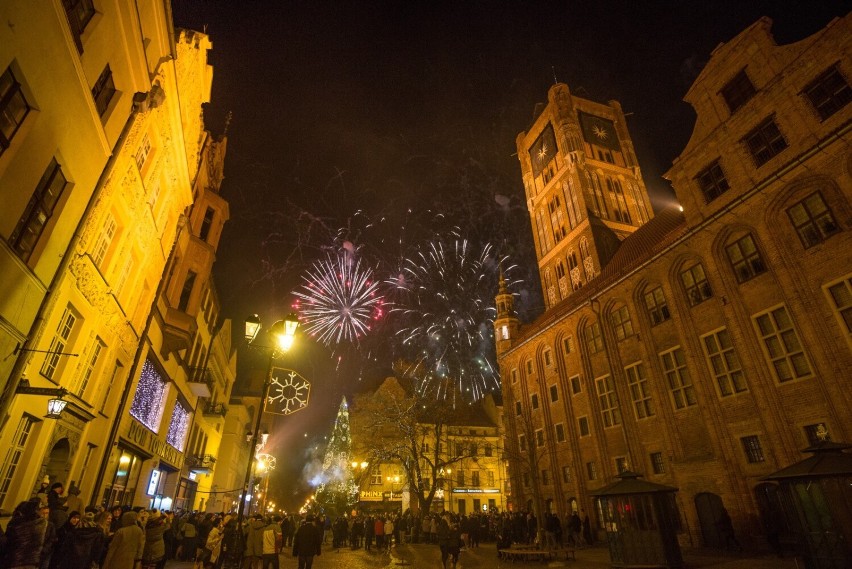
(24, 536)
(50, 539)
(155, 546)
(307, 543)
(81, 545)
(56, 503)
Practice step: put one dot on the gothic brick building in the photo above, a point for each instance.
(706, 346)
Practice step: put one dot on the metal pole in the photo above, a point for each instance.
(252, 452)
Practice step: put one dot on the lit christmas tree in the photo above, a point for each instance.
(337, 492)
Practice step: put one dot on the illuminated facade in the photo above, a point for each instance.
(474, 480)
(583, 187)
(714, 344)
(98, 170)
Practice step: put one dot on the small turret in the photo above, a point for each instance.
(506, 323)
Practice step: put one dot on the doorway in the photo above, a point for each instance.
(57, 462)
(709, 508)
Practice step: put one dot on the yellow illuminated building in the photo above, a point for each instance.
(100, 162)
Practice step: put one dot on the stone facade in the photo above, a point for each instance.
(714, 344)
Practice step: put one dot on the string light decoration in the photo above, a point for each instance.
(178, 427)
(150, 397)
(336, 488)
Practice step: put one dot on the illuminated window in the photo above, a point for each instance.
(568, 344)
(149, 399)
(591, 470)
(724, 363)
(176, 435)
(566, 474)
(376, 477)
(620, 464)
(783, 348)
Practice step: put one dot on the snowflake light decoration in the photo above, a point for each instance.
(289, 392)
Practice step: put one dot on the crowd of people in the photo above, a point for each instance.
(54, 531)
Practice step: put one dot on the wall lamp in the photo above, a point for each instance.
(55, 405)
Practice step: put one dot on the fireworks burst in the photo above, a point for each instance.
(339, 298)
(445, 316)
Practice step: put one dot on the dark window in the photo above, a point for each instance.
(13, 108)
(526, 479)
(522, 442)
(752, 448)
(765, 141)
(554, 393)
(560, 433)
(813, 220)
(534, 400)
(655, 302)
(539, 438)
(657, 464)
(488, 449)
(39, 210)
(584, 426)
(545, 477)
(620, 464)
(738, 91)
(745, 258)
(186, 292)
(518, 408)
(103, 90)
(594, 340)
(695, 284)
(566, 474)
(712, 182)
(79, 13)
(828, 93)
(621, 323)
(207, 223)
(841, 297)
(575, 385)
(591, 470)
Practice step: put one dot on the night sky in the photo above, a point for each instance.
(404, 110)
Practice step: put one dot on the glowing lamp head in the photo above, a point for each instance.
(55, 407)
(252, 327)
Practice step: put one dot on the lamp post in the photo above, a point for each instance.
(283, 332)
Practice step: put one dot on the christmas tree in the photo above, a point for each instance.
(337, 492)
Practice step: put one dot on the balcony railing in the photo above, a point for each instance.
(219, 409)
(200, 382)
(200, 462)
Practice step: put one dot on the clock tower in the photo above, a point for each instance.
(583, 186)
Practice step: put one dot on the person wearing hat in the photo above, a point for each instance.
(80, 545)
(307, 543)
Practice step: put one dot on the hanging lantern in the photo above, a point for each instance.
(55, 407)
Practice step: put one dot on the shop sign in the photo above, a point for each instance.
(371, 495)
(392, 496)
(476, 490)
(139, 435)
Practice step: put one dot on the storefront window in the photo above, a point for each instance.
(150, 397)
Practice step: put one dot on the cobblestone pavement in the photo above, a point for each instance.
(422, 556)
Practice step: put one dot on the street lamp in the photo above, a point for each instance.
(282, 332)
